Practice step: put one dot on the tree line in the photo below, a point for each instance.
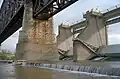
(7, 55)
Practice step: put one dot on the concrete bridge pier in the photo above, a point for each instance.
(94, 34)
(0, 48)
(36, 39)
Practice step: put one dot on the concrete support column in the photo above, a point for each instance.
(0, 48)
(36, 39)
(96, 30)
(94, 34)
(75, 51)
(63, 33)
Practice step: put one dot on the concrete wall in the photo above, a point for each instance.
(80, 51)
(32, 51)
(64, 33)
(64, 39)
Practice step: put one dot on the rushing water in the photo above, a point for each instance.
(8, 71)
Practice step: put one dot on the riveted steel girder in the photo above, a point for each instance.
(44, 9)
(11, 14)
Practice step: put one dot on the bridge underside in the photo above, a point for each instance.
(44, 9)
(11, 13)
(13, 25)
(11, 16)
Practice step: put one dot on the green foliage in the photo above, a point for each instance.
(6, 55)
(13, 58)
(3, 56)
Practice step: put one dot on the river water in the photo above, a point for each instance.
(8, 71)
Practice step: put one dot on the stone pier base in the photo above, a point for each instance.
(32, 51)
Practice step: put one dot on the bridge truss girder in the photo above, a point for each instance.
(11, 14)
(44, 9)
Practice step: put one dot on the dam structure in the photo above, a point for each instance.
(79, 41)
(84, 39)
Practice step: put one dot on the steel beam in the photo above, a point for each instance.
(112, 13)
(44, 9)
(113, 21)
(11, 14)
(8, 10)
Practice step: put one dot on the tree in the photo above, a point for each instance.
(7, 55)
(3, 56)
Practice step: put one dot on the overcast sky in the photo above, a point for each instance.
(73, 14)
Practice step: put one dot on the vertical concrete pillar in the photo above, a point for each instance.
(64, 33)
(0, 48)
(36, 39)
(64, 39)
(96, 30)
(75, 51)
(94, 34)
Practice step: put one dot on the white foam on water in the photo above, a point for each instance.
(79, 72)
(76, 72)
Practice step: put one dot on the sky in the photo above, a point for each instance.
(73, 14)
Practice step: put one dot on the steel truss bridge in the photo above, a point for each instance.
(11, 13)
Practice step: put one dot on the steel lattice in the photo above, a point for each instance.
(44, 9)
(10, 17)
(11, 13)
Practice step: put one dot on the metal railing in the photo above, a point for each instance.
(111, 8)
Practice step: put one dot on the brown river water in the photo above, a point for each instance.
(8, 71)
